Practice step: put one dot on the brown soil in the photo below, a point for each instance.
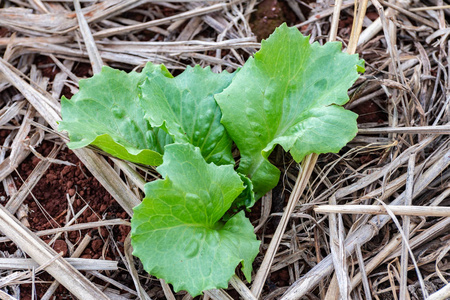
(269, 15)
(48, 208)
(370, 112)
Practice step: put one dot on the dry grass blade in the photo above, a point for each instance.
(80, 226)
(406, 227)
(14, 277)
(42, 104)
(166, 289)
(425, 211)
(241, 288)
(363, 273)
(377, 260)
(94, 55)
(7, 166)
(357, 25)
(339, 284)
(443, 129)
(335, 21)
(325, 13)
(81, 264)
(10, 111)
(382, 172)
(113, 282)
(442, 294)
(218, 295)
(430, 8)
(5, 296)
(134, 274)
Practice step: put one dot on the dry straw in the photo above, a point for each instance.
(327, 240)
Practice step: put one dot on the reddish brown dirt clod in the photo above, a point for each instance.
(103, 232)
(284, 275)
(51, 177)
(92, 218)
(35, 160)
(71, 192)
(59, 246)
(96, 245)
(124, 230)
(73, 235)
(66, 170)
(370, 112)
(269, 15)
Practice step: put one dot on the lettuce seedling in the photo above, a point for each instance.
(290, 93)
(190, 228)
(177, 230)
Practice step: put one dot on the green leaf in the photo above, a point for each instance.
(247, 198)
(184, 106)
(176, 231)
(105, 113)
(289, 94)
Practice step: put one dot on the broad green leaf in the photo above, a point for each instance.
(176, 231)
(289, 94)
(184, 106)
(105, 113)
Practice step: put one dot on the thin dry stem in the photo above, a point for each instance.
(424, 211)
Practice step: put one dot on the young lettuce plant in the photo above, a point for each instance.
(150, 118)
(290, 93)
(177, 231)
(189, 229)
